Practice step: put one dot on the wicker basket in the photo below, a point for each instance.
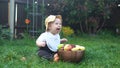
(71, 56)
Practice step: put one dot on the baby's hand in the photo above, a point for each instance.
(41, 44)
(63, 40)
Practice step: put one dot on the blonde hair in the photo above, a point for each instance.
(50, 19)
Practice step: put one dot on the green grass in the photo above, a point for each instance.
(102, 51)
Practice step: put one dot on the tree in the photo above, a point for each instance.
(86, 15)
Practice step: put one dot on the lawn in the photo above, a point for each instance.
(102, 51)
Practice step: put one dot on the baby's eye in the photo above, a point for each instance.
(60, 23)
(56, 23)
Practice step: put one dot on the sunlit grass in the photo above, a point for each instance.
(102, 51)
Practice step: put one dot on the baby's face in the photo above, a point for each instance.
(56, 26)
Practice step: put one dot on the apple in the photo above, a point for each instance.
(56, 58)
(72, 45)
(75, 49)
(60, 46)
(68, 47)
(80, 47)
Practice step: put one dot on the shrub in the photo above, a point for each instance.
(67, 31)
(4, 33)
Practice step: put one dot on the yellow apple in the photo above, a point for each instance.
(80, 47)
(74, 49)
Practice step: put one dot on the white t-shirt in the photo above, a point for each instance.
(51, 40)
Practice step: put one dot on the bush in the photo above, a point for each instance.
(4, 33)
(67, 31)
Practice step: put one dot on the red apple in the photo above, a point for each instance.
(72, 45)
(68, 47)
(56, 58)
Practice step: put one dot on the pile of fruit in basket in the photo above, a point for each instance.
(70, 47)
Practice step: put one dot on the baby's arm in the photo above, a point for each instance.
(63, 40)
(40, 42)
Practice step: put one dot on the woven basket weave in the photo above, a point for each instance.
(71, 56)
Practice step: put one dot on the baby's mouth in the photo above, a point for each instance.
(58, 28)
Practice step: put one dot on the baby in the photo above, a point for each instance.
(50, 39)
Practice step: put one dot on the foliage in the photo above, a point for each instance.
(102, 51)
(4, 33)
(88, 16)
(67, 31)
